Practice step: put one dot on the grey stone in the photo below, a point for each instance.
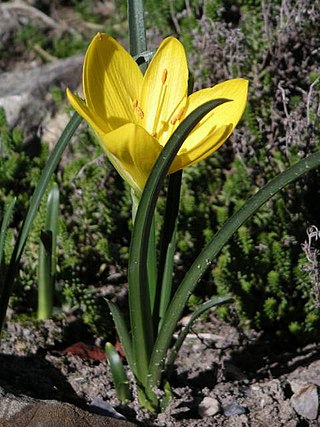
(25, 95)
(305, 400)
(23, 411)
(234, 409)
(209, 407)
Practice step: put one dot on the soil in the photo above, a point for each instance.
(251, 380)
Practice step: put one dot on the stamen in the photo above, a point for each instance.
(99, 36)
(177, 117)
(164, 76)
(137, 109)
(160, 103)
(161, 100)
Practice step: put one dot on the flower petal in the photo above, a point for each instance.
(95, 121)
(111, 81)
(227, 114)
(202, 150)
(133, 152)
(164, 87)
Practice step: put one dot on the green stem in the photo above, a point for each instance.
(137, 32)
(203, 261)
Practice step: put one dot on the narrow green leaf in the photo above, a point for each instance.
(167, 245)
(166, 285)
(33, 209)
(45, 289)
(47, 256)
(165, 400)
(152, 266)
(170, 217)
(52, 221)
(200, 310)
(140, 311)
(123, 333)
(203, 261)
(120, 379)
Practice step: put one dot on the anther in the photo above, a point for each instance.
(99, 36)
(137, 109)
(154, 134)
(177, 117)
(164, 76)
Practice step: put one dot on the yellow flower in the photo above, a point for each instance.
(135, 115)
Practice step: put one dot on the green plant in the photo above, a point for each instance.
(47, 256)
(154, 313)
(12, 267)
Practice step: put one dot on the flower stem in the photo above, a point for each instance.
(137, 32)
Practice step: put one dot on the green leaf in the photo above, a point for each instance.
(203, 308)
(167, 244)
(47, 256)
(166, 284)
(123, 333)
(45, 290)
(52, 221)
(119, 376)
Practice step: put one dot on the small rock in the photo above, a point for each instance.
(305, 400)
(101, 407)
(24, 93)
(234, 409)
(51, 413)
(209, 407)
(24, 411)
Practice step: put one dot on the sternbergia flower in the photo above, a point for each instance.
(134, 115)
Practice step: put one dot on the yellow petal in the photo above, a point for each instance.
(99, 125)
(202, 150)
(111, 81)
(133, 152)
(227, 114)
(164, 87)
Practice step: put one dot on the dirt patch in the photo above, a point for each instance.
(228, 370)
